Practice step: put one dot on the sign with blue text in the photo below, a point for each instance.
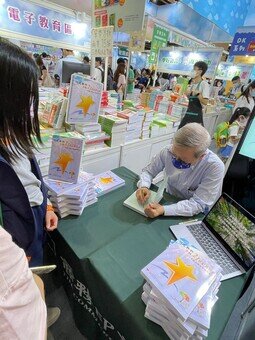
(30, 19)
(227, 71)
(243, 42)
(181, 60)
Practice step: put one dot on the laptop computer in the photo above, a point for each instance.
(226, 234)
(155, 197)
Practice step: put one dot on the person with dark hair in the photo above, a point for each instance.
(44, 55)
(143, 81)
(218, 88)
(86, 60)
(99, 71)
(23, 196)
(237, 87)
(234, 131)
(198, 93)
(120, 79)
(120, 61)
(247, 97)
(68, 55)
(42, 69)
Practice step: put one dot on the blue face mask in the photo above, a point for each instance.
(178, 164)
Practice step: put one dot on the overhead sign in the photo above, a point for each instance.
(124, 15)
(102, 41)
(181, 60)
(159, 39)
(226, 71)
(243, 42)
(28, 18)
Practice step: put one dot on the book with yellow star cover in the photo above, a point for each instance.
(106, 182)
(65, 158)
(84, 100)
(181, 276)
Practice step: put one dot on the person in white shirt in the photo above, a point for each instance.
(99, 71)
(237, 87)
(119, 79)
(247, 97)
(194, 174)
(198, 93)
(68, 55)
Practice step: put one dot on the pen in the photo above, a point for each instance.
(189, 221)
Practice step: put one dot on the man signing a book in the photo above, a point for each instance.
(193, 173)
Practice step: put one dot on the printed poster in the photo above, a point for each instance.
(124, 15)
(84, 100)
(102, 42)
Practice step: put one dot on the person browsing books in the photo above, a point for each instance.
(23, 199)
(194, 174)
(198, 93)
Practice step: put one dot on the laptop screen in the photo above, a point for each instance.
(235, 228)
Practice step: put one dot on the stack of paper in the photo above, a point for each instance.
(134, 123)
(180, 291)
(72, 199)
(115, 127)
(107, 182)
(162, 124)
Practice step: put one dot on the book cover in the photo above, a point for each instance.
(84, 100)
(65, 158)
(106, 182)
(181, 277)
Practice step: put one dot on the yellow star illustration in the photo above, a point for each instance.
(179, 271)
(85, 104)
(63, 160)
(106, 180)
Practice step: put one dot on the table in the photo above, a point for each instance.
(100, 257)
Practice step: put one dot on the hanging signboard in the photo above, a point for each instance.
(102, 41)
(137, 41)
(30, 19)
(181, 60)
(243, 42)
(124, 15)
(226, 71)
(159, 39)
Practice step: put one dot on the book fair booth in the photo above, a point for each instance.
(96, 141)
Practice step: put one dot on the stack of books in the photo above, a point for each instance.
(145, 98)
(134, 124)
(72, 198)
(115, 127)
(148, 118)
(94, 137)
(107, 182)
(180, 291)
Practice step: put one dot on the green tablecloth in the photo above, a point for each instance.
(101, 254)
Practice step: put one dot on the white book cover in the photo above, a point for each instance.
(65, 158)
(59, 188)
(84, 100)
(106, 182)
(181, 276)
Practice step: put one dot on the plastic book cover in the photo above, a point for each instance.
(181, 276)
(106, 182)
(59, 188)
(65, 159)
(84, 100)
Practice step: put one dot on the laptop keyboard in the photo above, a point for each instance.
(212, 249)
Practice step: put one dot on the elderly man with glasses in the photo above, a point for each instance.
(193, 173)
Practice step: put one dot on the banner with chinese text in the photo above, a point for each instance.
(30, 19)
(226, 71)
(102, 41)
(181, 60)
(243, 42)
(159, 39)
